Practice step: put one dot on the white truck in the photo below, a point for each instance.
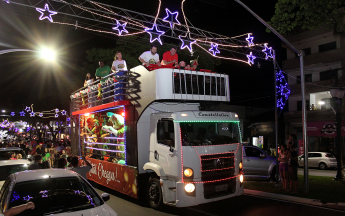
(157, 139)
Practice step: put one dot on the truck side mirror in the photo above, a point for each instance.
(171, 149)
(170, 143)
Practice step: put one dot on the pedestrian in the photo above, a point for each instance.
(293, 166)
(150, 57)
(36, 164)
(292, 142)
(46, 155)
(283, 165)
(62, 163)
(81, 170)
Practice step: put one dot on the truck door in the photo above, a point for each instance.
(165, 153)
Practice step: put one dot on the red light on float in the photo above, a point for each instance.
(123, 114)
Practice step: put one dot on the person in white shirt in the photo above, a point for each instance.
(150, 57)
(119, 64)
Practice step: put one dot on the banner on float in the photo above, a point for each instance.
(121, 178)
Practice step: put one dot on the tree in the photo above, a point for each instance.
(133, 46)
(295, 15)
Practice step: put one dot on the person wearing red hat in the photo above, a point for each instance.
(170, 58)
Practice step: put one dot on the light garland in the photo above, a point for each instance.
(268, 51)
(170, 17)
(44, 11)
(283, 90)
(214, 49)
(251, 58)
(155, 31)
(120, 28)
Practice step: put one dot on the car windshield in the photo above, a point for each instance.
(12, 153)
(209, 133)
(55, 195)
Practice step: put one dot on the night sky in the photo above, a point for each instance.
(27, 80)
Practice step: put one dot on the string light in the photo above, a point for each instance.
(12, 113)
(32, 114)
(155, 31)
(63, 112)
(251, 58)
(268, 51)
(22, 113)
(56, 110)
(283, 90)
(27, 109)
(170, 17)
(44, 11)
(214, 49)
(120, 28)
(56, 115)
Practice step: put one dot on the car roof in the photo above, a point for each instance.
(320, 152)
(10, 148)
(14, 162)
(30, 175)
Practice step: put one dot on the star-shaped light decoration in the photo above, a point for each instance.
(279, 76)
(68, 119)
(282, 89)
(56, 115)
(187, 41)
(22, 113)
(63, 112)
(268, 51)
(251, 58)
(56, 110)
(32, 114)
(27, 109)
(214, 49)
(46, 13)
(12, 113)
(120, 28)
(40, 115)
(250, 39)
(171, 18)
(155, 31)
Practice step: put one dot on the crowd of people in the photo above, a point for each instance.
(288, 165)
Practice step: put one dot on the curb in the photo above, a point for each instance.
(338, 206)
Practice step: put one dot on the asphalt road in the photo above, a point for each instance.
(243, 205)
(318, 172)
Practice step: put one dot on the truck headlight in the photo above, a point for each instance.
(189, 187)
(241, 178)
(240, 165)
(188, 172)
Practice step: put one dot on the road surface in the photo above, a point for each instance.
(318, 172)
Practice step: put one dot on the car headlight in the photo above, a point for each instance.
(189, 187)
(188, 172)
(241, 178)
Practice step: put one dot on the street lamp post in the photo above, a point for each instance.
(45, 53)
(337, 95)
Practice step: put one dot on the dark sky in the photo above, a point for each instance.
(27, 80)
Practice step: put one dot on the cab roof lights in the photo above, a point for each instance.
(230, 121)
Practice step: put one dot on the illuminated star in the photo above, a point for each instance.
(27, 109)
(63, 112)
(46, 13)
(170, 17)
(12, 113)
(68, 119)
(120, 28)
(32, 114)
(268, 51)
(250, 39)
(187, 41)
(22, 113)
(56, 115)
(56, 110)
(40, 115)
(214, 49)
(155, 31)
(251, 58)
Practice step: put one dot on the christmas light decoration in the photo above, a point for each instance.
(56, 115)
(170, 17)
(63, 112)
(32, 114)
(282, 89)
(251, 58)
(22, 113)
(56, 110)
(268, 51)
(44, 193)
(120, 28)
(68, 119)
(12, 114)
(214, 49)
(46, 11)
(40, 115)
(250, 39)
(155, 31)
(187, 42)
(27, 109)
(27, 198)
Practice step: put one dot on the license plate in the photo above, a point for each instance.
(221, 187)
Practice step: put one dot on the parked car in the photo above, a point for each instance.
(54, 192)
(7, 166)
(258, 163)
(322, 160)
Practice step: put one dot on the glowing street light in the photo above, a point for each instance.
(47, 54)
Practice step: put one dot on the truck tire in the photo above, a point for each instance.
(322, 166)
(154, 193)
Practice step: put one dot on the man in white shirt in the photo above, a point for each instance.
(150, 57)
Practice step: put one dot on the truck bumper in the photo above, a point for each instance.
(185, 200)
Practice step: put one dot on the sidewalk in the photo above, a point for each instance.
(338, 206)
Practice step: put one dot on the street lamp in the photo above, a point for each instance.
(45, 53)
(337, 95)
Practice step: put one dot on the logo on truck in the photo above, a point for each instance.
(213, 114)
(218, 163)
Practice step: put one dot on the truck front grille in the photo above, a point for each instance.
(217, 166)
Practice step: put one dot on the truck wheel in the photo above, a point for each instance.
(322, 166)
(154, 193)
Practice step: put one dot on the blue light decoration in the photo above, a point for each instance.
(250, 39)
(56, 115)
(13, 114)
(15, 196)
(63, 112)
(189, 41)
(283, 90)
(27, 109)
(120, 28)
(68, 119)
(27, 198)
(251, 58)
(32, 114)
(40, 115)
(214, 49)
(56, 110)
(90, 199)
(155, 31)
(268, 51)
(22, 113)
(46, 13)
(44, 193)
(171, 17)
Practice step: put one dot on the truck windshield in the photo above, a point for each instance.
(209, 133)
